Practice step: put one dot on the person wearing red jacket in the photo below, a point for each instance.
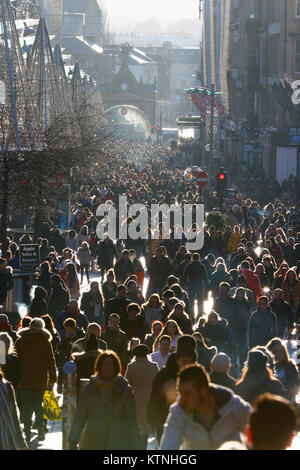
(253, 282)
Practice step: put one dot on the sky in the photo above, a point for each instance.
(122, 12)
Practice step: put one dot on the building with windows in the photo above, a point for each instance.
(252, 52)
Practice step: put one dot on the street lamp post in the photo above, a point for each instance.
(212, 93)
(211, 143)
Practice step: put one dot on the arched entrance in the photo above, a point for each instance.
(129, 122)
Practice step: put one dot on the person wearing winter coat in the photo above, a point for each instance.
(134, 294)
(133, 324)
(224, 304)
(216, 332)
(240, 325)
(85, 360)
(205, 415)
(37, 372)
(234, 240)
(285, 369)
(164, 389)
(196, 279)
(220, 367)
(159, 269)
(11, 363)
(156, 329)
(105, 252)
(72, 311)
(118, 304)
(49, 325)
(140, 374)
(72, 281)
(115, 338)
(262, 325)
(11, 436)
(6, 280)
(123, 268)
(182, 319)
(80, 345)
(92, 304)
(218, 276)
(85, 258)
(152, 311)
(109, 287)
(291, 290)
(106, 410)
(44, 277)
(252, 279)
(241, 282)
(39, 305)
(59, 296)
(283, 312)
(257, 378)
(6, 327)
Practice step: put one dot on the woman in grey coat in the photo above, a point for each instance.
(106, 410)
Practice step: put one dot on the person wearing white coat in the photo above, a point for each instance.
(205, 415)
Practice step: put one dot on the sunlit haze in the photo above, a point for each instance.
(122, 13)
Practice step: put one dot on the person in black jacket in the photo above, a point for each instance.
(133, 325)
(105, 252)
(216, 332)
(159, 269)
(118, 304)
(163, 392)
(283, 312)
(181, 317)
(220, 367)
(115, 338)
(92, 304)
(38, 305)
(123, 267)
(59, 296)
(6, 280)
(196, 280)
(44, 276)
(262, 325)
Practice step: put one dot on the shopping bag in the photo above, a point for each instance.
(52, 411)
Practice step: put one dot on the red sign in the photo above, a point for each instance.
(202, 179)
(200, 103)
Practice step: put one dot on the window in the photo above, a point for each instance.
(297, 9)
(297, 56)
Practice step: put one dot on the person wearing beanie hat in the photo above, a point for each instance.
(140, 374)
(257, 378)
(5, 327)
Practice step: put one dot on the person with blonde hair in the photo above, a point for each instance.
(285, 369)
